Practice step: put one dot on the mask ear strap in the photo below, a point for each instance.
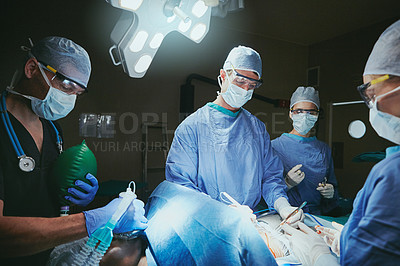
(387, 93)
(44, 74)
(219, 79)
(14, 79)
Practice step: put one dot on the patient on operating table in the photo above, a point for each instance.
(187, 227)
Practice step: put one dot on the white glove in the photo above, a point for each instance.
(294, 176)
(331, 236)
(245, 211)
(326, 191)
(283, 207)
(307, 246)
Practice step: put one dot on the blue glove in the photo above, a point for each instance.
(132, 219)
(83, 198)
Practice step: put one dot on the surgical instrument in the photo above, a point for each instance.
(291, 214)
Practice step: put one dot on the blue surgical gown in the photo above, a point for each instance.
(215, 150)
(187, 227)
(371, 236)
(316, 158)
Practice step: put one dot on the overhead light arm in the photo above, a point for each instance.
(139, 32)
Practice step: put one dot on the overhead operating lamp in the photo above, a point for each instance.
(139, 33)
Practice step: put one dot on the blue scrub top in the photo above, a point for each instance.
(215, 150)
(371, 236)
(316, 158)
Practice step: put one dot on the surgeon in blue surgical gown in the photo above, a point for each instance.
(371, 235)
(224, 148)
(307, 161)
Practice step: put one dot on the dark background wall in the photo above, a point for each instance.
(342, 62)
(156, 96)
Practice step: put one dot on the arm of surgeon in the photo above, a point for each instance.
(23, 236)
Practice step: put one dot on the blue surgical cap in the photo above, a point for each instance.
(244, 58)
(65, 56)
(385, 56)
(305, 94)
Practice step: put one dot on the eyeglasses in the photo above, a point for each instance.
(304, 111)
(241, 80)
(368, 94)
(64, 83)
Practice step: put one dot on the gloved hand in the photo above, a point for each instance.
(327, 191)
(245, 211)
(132, 219)
(83, 198)
(294, 176)
(331, 236)
(283, 207)
(307, 246)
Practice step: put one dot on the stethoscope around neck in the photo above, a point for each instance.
(26, 163)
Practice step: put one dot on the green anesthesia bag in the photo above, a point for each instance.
(73, 164)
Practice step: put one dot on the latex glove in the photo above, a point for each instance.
(307, 246)
(83, 198)
(294, 176)
(327, 191)
(283, 207)
(331, 236)
(132, 219)
(246, 211)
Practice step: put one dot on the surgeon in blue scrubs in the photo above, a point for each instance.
(371, 235)
(307, 161)
(224, 148)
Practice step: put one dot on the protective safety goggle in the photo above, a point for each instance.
(305, 111)
(368, 94)
(241, 80)
(66, 84)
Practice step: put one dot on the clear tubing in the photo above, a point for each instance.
(98, 254)
(85, 252)
(89, 254)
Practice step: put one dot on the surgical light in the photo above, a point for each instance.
(184, 26)
(131, 4)
(182, 15)
(170, 19)
(156, 40)
(199, 9)
(139, 41)
(198, 31)
(143, 26)
(143, 63)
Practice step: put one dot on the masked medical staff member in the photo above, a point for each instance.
(308, 164)
(371, 235)
(224, 148)
(55, 73)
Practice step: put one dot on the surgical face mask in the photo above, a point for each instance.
(235, 96)
(57, 104)
(386, 125)
(304, 122)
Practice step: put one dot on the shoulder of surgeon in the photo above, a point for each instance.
(257, 122)
(189, 124)
(390, 166)
(323, 145)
